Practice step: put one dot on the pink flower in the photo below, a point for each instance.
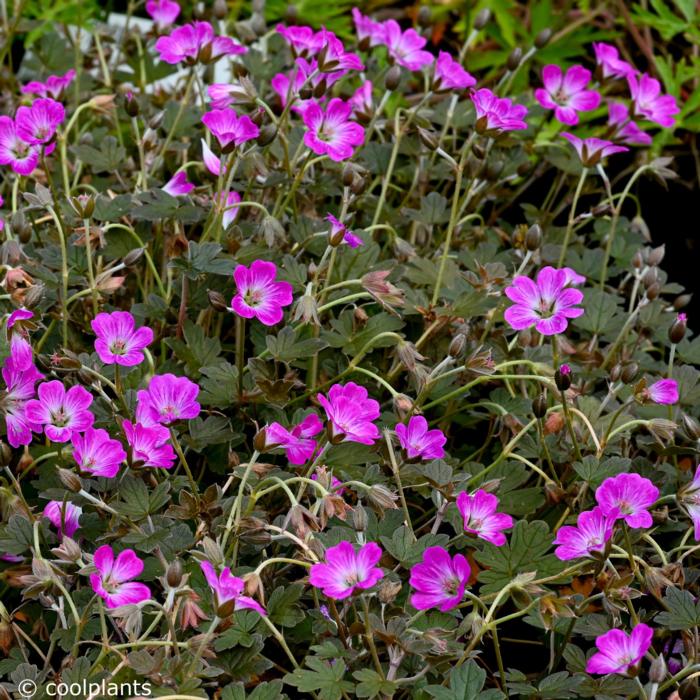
(349, 238)
(362, 101)
(593, 529)
(96, 453)
(304, 73)
(15, 152)
(302, 39)
(626, 130)
(118, 340)
(608, 58)
(21, 356)
(350, 413)
(230, 129)
(368, 31)
(64, 516)
(178, 185)
(53, 87)
(439, 580)
(36, 125)
(495, 115)
(259, 294)
(298, 442)
(61, 412)
(149, 445)
(617, 651)
(567, 94)
(691, 500)
(227, 587)
(231, 200)
(163, 12)
(418, 441)
(592, 150)
(406, 47)
(480, 517)
(346, 570)
(223, 95)
(450, 75)
(195, 43)
(20, 390)
(547, 305)
(331, 132)
(627, 497)
(573, 277)
(332, 55)
(167, 399)
(113, 580)
(650, 103)
(665, 391)
(212, 162)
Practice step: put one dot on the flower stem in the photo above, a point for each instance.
(572, 217)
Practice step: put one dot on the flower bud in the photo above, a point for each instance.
(653, 291)
(131, 105)
(220, 9)
(70, 480)
(656, 255)
(348, 175)
(267, 135)
(403, 405)
(688, 689)
(650, 277)
(482, 19)
(539, 406)
(542, 39)
(387, 591)
(562, 377)
(392, 78)
(457, 345)
(682, 301)
(359, 518)
(217, 300)
(657, 670)
(637, 260)
(83, 205)
(173, 575)
(514, 58)
(676, 332)
(478, 150)
(428, 138)
(691, 427)
(629, 372)
(615, 372)
(132, 257)
(533, 237)
(5, 454)
(381, 496)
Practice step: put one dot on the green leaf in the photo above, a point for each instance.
(466, 683)
(196, 349)
(283, 605)
(284, 347)
(595, 471)
(351, 339)
(203, 258)
(325, 678)
(372, 684)
(212, 431)
(219, 385)
(110, 156)
(267, 690)
(433, 210)
(137, 501)
(682, 613)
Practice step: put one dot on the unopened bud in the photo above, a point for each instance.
(533, 237)
(478, 150)
(688, 689)
(653, 291)
(217, 300)
(267, 135)
(482, 19)
(359, 518)
(682, 301)
(539, 406)
(676, 332)
(220, 9)
(629, 372)
(70, 480)
(392, 78)
(691, 427)
(83, 205)
(174, 574)
(348, 175)
(5, 454)
(650, 277)
(542, 39)
(656, 255)
(562, 377)
(133, 256)
(381, 496)
(457, 345)
(514, 58)
(428, 138)
(615, 372)
(131, 105)
(657, 670)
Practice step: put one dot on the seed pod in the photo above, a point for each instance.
(638, 259)
(676, 332)
(514, 58)
(629, 372)
(174, 574)
(392, 78)
(533, 237)
(539, 406)
(482, 19)
(542, 39)
(656, 255)
(562, 377)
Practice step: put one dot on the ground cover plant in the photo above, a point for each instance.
(338, 358)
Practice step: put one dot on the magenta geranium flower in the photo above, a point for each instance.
(627, 497)
(178, 185)
(617, 650)
(227, 587)
(167, 399)
(304, 74)
(195, 43)
(592, 531)
(337, 227)
(546, 304)
(439, 580)
(230, 129)
(330, 131)
(650, 103)
(691, 500)
(298, 442)
(626, 130)
(53, 87)
(495, 115)
(21, 356)
(61, 413)
(333, 57)
(406, 48)
(450, 75)
(36, 125)
(608, 58)
(350, 413)
(230, 213)
(113, 582)
(301, 39)
(211, 161)
(478, 511)
(259, 294)
(15, 152)
(223, 95)
(566, 93)
(149, 445)
(118, 340)
(420, 442)
(369, 32)
(20, 389)
(592, 150)
(665, 392)
(345, 570)
(362, 100)
(64, 516)
(163, 12)
(96, 453)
